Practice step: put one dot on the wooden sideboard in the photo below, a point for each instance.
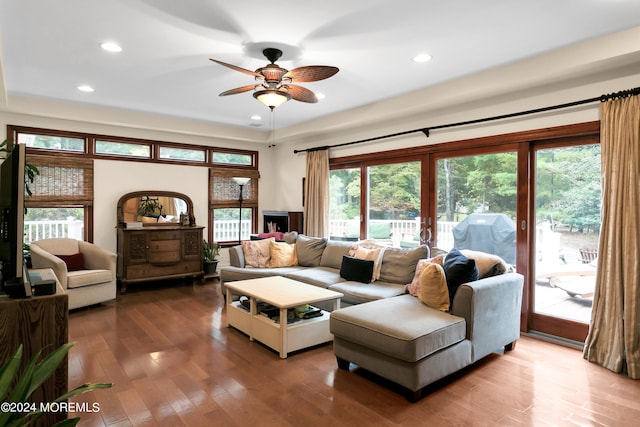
(158, 252)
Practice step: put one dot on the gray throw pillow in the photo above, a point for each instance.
(309, 250)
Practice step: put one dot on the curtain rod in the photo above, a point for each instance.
(427, 130)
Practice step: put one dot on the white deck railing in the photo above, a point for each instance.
(227, 231)
(49, 229)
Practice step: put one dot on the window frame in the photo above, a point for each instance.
(89, 152)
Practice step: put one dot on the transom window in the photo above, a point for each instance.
(48, 142)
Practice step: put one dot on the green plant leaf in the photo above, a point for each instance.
(83, 389)
(19, 392)
(8, 372)
(49, 364)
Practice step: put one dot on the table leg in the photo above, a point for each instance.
(283, 333)
(229, 302)
(253, 310)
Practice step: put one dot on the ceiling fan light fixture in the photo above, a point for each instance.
(272, 98)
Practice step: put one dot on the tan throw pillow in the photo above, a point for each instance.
(413, 287)
(370, 251)
(283, 254)
(257, 253)
(433, 287)
(488, 264)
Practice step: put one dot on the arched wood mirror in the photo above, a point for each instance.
(155, 208)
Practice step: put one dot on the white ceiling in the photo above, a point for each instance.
(48, 48)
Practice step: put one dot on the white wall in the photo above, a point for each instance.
(112, 179)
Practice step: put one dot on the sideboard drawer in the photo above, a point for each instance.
(137, 272)
(165, 246)
(165, 235)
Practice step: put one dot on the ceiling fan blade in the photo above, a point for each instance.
(238, 90)
(302, 94)
(236, 68)
(311, 73)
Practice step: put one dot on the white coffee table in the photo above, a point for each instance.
(284, 294)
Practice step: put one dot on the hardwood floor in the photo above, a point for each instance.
(173, 362)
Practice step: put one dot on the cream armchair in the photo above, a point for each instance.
(93, 278)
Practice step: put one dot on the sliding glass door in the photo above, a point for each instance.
(393, 203)
(380, 202)
(533, 198)
(567, 214)
(476, 203)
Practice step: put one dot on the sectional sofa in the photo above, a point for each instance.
(319, 262)
(386, 330)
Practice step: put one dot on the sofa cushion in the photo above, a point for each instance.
(74, 262)
(357, 293)
(333, 253)
(458, 269)
(433, 289)
(369, 250)
(309, 250)
(356, 269)
(257, 253)
(317, 276)
(414, 286)
(401, 327)
(488, 264)
(80, 278)
(282, 254)
(231, 274)
(399, 264)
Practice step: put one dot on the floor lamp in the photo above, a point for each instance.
(241, 182)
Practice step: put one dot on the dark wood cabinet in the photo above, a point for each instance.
(166, 246)
(39, 323)
(162, 252)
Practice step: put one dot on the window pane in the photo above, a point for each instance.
(344, 204)
(47, 223)
(568, 199)
(476, 198)
(123, 149)
(226, 223)
(52, 142)
(232, 158)
(393, 211)
(184, 154)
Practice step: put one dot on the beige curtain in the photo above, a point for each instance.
(316, 194)
(614, 334)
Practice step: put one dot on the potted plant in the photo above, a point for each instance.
(17, 386)
(149, 207)
(210, 253)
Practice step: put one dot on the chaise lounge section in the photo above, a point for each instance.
(405, 341)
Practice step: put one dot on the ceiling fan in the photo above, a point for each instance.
(275, 86)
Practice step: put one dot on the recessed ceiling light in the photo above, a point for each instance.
(85, 88)
(320, 95)
(256, 117)
(111, 47)
(423, 57)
